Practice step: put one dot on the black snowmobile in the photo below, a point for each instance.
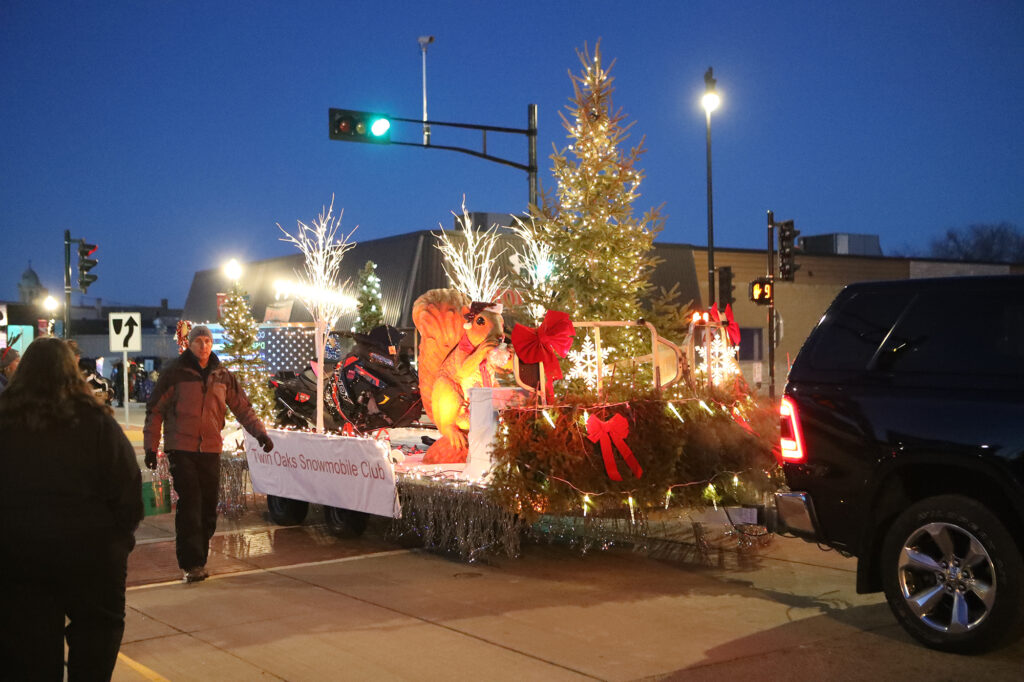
(372, 387)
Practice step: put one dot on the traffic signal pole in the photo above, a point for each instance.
(530, 132)
(531, 137)
(67, 284)
(771, 306)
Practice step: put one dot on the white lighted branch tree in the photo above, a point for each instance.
(533, 265)
(471, 262)
(318, 285)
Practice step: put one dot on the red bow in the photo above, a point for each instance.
(731, 327)
(545, 344)
(615, 431)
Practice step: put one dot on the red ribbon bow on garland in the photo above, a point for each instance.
(614, 431)
(545, 344)
(730, 325)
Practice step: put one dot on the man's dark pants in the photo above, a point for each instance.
(197, 482)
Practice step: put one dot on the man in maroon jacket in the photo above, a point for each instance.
(189, 402)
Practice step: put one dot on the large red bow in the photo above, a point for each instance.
(545, 344)
(731, 327)
(615, 431)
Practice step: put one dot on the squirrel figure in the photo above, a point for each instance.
(457, 337)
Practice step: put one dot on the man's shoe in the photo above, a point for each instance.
(197, 574)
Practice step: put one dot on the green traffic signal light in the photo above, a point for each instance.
(358, 126)
(379, 127)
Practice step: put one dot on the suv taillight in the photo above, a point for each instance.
(791, 437)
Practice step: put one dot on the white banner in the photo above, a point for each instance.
(338, 471)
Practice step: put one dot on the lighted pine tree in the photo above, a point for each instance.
(240, 335)
(369, 313)
(601, 251)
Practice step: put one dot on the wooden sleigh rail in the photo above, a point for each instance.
(667, 359)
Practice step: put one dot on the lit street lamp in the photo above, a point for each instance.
(233, 270)
(710, 100)
(50, 304)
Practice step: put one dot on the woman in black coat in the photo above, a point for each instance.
(70, 500)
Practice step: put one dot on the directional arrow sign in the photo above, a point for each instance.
(125, 332)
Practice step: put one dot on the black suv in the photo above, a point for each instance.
(903, 445)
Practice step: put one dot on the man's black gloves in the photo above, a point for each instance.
(150, 459)
(265, 443)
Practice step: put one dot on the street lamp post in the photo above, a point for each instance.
(424, 41)
(710, 100)
(50, 305)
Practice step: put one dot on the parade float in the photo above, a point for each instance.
(546, 430)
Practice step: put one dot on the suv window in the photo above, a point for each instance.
(958, 332)
(854, 328)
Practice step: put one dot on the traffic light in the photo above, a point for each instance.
(761, 291)
(787, 244)
(726, 290)
(85, 263)
(359, 126)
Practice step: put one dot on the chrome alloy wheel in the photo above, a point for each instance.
(947, 578)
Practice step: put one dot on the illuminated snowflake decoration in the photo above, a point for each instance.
(723, 363)
(586, 361)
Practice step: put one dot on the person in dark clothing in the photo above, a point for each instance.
(189, 404)
(117, 379)
(87, 366)
(9, 359)
(70, 501)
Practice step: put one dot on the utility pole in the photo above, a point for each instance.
(424, 41)
(67, 284)
(771, 306)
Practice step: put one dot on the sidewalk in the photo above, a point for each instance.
(245, 544)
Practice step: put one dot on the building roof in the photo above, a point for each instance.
(408, 265)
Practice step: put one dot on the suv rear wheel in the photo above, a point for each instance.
(952, 575)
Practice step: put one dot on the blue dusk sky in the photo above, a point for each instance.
(176, 134)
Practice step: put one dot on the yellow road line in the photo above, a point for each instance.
(141, 669)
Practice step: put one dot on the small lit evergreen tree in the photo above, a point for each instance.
(240, 335)
(369, 313)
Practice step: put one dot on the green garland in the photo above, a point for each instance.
(690, 449)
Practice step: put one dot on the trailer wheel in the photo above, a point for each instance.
(285, 511)
(345, 523)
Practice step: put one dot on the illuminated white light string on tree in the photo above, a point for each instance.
(602, 250)
(471, 265)
(369, 313)
(319, 286)
(534, 267)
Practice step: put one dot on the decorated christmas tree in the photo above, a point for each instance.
(368, 305)
(601, 252)
(240, 334)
